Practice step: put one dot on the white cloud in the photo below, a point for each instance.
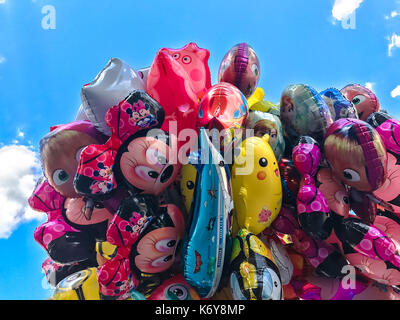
(2, 59)
(394, 43)
(396, 92)
(19, 167)
(394, 14)
(342, 9)
(20, 133)
(2, 1)
(370, 85)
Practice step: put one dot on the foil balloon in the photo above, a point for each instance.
(390, 189)
(356, 154)
(144, 74)
(63, 243)
(334, 192)
(177, 79)
(371, 243)
(256, 185)
(208, 238)
(254, 274)
(338, 105)
(155, 250)
(266, 106)
(175, 288)
(290, 181)
(102, 168)
(313, 287)
(312, 208)
(222, 107)
(363, 99)
(388, 128)
(60, 150)
(188, 184)
(240, 67)
(304, 113)
(132, 217)
(81, 285)
(379, 268)
(110, 86)
(266, 123)
(194, 61)
(257, 96)
(56, 272)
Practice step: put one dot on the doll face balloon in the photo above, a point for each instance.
(240, 67)
(304, 113)
(363, 99)
(110, 86)
(266, 123)
(356, 154)
(60, 151)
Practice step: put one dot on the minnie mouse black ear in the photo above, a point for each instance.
(148, 114)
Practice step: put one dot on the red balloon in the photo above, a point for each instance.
(177, 79)
(223, 107)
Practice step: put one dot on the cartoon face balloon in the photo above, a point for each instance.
(254, 273)
(134, 155)
(256, 185)
(145, 163)
(240, 67)
(304, 113)
(177, 79)
(339, 106)
(222, 107)
(356, 154)
(187, 184)
(194, 62)
(364, 100)
(110, 86)
(175, 288)
(60, 150)
(155, 249)
(266, 123)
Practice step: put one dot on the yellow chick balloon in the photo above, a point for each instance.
(187, 184)
(256, 185)
(257, 96)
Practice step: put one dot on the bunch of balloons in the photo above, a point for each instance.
(166, 187)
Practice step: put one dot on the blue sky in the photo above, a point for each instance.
(42, 71)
